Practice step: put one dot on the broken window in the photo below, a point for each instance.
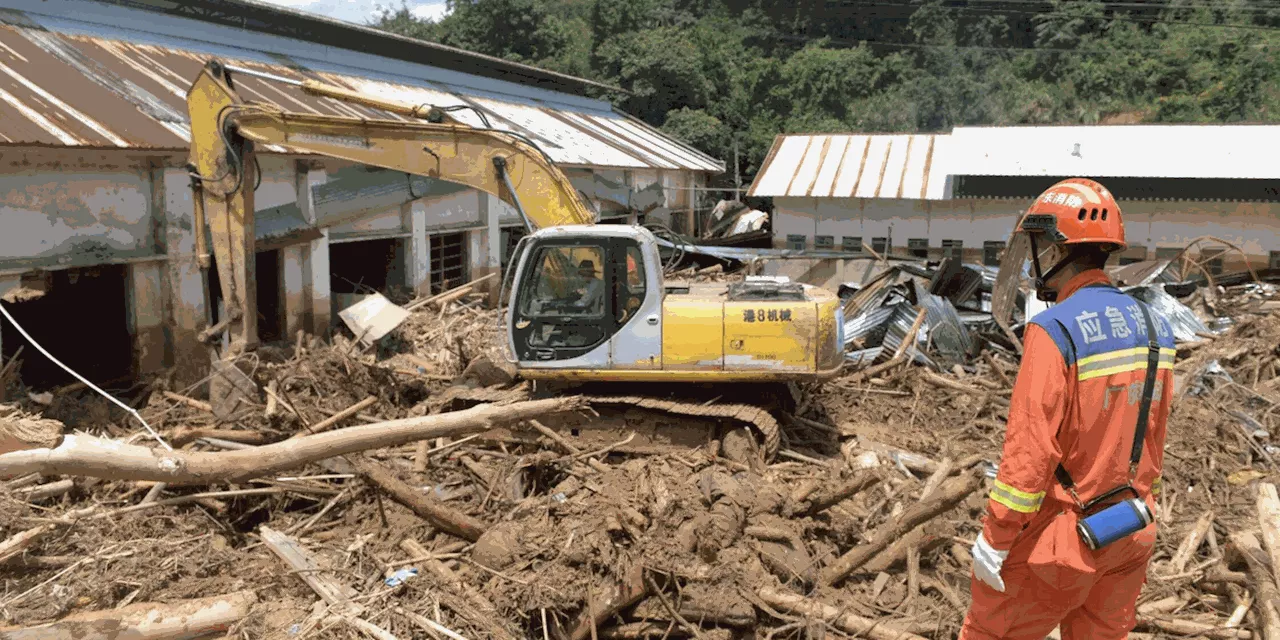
(879, 245)
(83, 320)
(795, 242)
(952, 248)
(1273, 261)
(991, 250)
(851, 244)
(918, 247)
(1211, 259)
(448, 261)
(1167, 253)
(510, 238)
(824, 243)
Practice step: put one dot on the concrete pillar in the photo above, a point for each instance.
(146, 316)
(315, 262)
(293, 265)
(417, 255)
(185, 299)
(490, 260)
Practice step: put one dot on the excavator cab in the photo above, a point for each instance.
(585, 297)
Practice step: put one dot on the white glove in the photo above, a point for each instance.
(987, 563)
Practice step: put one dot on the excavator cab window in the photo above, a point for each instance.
(563, 302)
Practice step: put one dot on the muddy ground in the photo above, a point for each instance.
(707, 543)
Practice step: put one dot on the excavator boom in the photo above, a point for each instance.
(225, 130)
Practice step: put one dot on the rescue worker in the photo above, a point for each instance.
(1072, 421)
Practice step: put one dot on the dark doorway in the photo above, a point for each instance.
(270, 311)
(82, 320)
(356, 267)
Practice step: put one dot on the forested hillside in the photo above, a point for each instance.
(713, 72)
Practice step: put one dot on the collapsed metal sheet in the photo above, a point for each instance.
(868, 328)
(373, 317)
(1181, 318)
(946, 332)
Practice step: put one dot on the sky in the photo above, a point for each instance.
(361, 11)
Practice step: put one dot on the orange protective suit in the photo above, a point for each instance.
(1075, 402)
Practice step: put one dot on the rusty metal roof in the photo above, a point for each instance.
(854, 166)
(64, 87)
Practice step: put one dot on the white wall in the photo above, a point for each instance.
(1252, 226)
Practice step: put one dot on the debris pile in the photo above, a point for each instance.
(409, 487)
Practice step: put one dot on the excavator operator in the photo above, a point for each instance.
(1069, 527)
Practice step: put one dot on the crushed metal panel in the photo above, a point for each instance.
(947, 333)
(373, 317)
(1181, 318)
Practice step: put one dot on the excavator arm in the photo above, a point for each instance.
(225, 130)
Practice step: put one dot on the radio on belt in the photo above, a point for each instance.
(1115, 522)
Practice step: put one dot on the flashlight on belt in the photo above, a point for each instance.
(1114, 522)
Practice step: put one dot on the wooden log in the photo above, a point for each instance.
(848, 622)
(486, 612)
(456, 292)
(439, 515)
(44, 491)
(109, 459)
(1191, 543)
(20, 542)
(859, 482)
(947, 497)
(328, 423)
(337, 595)
(184, 435)
(145, 621)
(1269, 520)
(190, 402)
(604, 602)
(1268, 597)
(1191, 628)
(19, 432)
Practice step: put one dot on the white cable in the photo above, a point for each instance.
(82, 379)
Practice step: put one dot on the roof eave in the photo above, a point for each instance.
(287, 22)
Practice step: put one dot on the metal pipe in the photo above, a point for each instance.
(262, 74)
(500, 164)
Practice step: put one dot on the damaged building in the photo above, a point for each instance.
(98, 255)
(959, 194)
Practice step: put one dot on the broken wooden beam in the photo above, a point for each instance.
(190, 402)
(850, 488)
(328, 423)
(79, 455)
(145, 621)
(950, 494)
(1268, 597)
(848, 622)
(438, 514)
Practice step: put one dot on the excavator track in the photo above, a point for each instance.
(764, 425)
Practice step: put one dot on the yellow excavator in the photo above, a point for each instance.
(585, 302)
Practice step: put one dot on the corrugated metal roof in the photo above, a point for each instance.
(854, 166)
(1118, 151)
(62, 87)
